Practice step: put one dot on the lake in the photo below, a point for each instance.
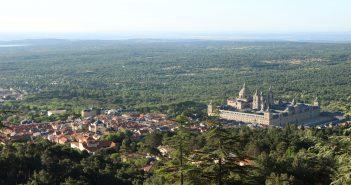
(10, 45)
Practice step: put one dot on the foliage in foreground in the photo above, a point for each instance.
(276, 156)
(46, 163)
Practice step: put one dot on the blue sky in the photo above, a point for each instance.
(175, 15)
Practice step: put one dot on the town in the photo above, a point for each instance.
(11, 94)
(86, 133)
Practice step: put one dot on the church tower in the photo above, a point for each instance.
(256, 101)
(243, 93)
(210, 109)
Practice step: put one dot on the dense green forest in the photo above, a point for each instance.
(277, 156)
(158, 75)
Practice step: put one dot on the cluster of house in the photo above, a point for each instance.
(86, 133)
(10, 94)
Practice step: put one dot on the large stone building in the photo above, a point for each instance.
(260, 109)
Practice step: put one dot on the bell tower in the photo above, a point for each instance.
(256, 101)
(210, 109)
(243, 92)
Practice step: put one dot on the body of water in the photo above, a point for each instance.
(10, 45)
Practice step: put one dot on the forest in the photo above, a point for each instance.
(162, 75)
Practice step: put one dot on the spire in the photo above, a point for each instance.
(256, 92)
(293, 101)
(243, 93)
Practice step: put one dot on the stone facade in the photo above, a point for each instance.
(259, 109)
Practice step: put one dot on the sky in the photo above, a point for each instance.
(85, 16)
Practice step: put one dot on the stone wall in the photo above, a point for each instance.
(276, 119)
(243, 117)
(282, 120)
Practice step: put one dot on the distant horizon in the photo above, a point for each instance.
(215, 35)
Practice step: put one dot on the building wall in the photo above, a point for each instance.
(269, 118)
(88, 113)
(56, 112)
(232, 103)
(243, 117)
(238, 104)
(295, 118)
